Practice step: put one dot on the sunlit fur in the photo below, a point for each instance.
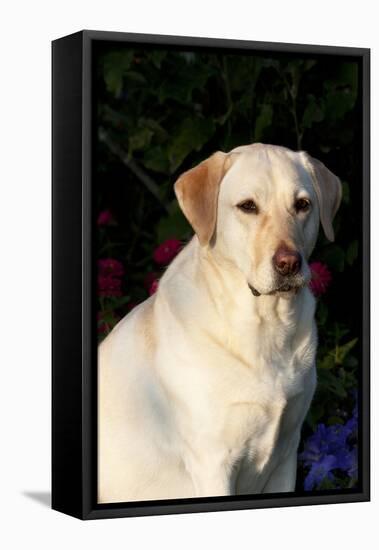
(203, 388)
(274, 177)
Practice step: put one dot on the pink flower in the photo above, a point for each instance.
(154, 287)
(321, 278)
(149, 279)
(108, 279)
(105, 217)
(167, 251)
(110, 266)
(108, 286)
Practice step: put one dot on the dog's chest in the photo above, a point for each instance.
(252, 420)
(266, 396)
(242, 389)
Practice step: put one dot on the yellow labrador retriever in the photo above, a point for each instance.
(203, 387)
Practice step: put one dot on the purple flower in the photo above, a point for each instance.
(319, 471)
(331, 448)
(326, 440)
(337, 435)
(344, 459)
(352, 426)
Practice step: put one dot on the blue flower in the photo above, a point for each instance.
(344, 459)
(331, 448)
(319, 471)
(325, 441)
(337, 435)
(315, 446)
(352, 426)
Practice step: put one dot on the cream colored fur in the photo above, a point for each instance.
(203, 388)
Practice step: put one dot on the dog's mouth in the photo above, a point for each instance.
(254, 291)
(285, 288)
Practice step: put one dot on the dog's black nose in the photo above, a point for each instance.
(287, 261)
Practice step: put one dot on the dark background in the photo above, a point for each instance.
(160, 112)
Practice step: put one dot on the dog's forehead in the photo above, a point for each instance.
(266, 168)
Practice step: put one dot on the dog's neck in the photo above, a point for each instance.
(215, 296)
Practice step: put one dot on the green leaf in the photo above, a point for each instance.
(160, 133)
(135, 76)
(309, 64)
(345, 192)
(267, 62)
(315, 414)
(174, 225)
(140, 139)
(294, 69)
(330, 383)
(112, 303)
(348, 75)
(182, 80)
(188, 56)
(155, 158)
(341, 92)
(327, 484)
(352, 252)
(327, 362)
(263, 121)
(312, 113)
(157, 56)
(334, 420)
(322, 313)
(115, 66)
(192, 135)
(334, 256)
(351, 362)
(342, 351)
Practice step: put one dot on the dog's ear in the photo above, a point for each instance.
(197, 193)
(328, 190)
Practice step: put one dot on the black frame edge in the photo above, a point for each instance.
(224, 506)
(366, 293)
(67, 424)
(196, 41)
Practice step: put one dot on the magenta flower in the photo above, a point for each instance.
(110, 266)
(105, 217)
(154, 287)
(149, 279)
(108, 286)
(321, 278)
(167, 251)
(108, 280)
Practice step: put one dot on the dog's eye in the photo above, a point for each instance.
(248, 206)
(302, 205)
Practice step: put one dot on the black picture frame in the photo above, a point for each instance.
(74, 344)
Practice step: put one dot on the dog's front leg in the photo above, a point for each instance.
(283, 478)
(210, 477)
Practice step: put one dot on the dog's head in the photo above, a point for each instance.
(259, 207)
